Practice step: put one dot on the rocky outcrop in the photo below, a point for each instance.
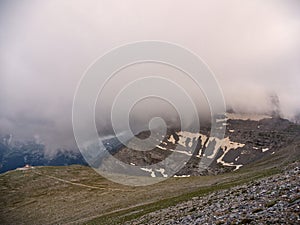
(246, 141)
(272, 200)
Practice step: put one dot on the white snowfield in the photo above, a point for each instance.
(221, 120)
(184, 135)
(182, 176)
(187, 140)
(225, 145)
(247, 116)
(152, 172)
(172, 139)
(265, 149)
(229, 145)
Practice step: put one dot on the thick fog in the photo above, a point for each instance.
(253, 48)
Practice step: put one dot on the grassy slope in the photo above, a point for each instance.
(51, 195)
(263, 168)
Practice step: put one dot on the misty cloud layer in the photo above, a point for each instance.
(253, 48)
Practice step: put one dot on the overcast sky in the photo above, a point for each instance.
(253, 48)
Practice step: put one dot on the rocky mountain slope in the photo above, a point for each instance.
(78, 195)
(272, 200)
(248, 138)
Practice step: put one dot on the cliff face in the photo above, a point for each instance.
(246, 140)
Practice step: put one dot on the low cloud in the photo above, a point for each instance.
(253, 48)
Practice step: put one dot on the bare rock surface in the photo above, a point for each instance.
(272, 200)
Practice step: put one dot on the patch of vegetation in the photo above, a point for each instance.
(122, 216)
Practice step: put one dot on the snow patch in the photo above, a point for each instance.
(163, 148)
(150, 171)
(182, 152)
(265, 149)
(162, 171)
(172, 139)
(182, 176)
(246, 116)
(184, 135)
(221, 120)
(226, 142)
(237, 167)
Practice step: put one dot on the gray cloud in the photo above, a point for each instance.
(253, 47)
